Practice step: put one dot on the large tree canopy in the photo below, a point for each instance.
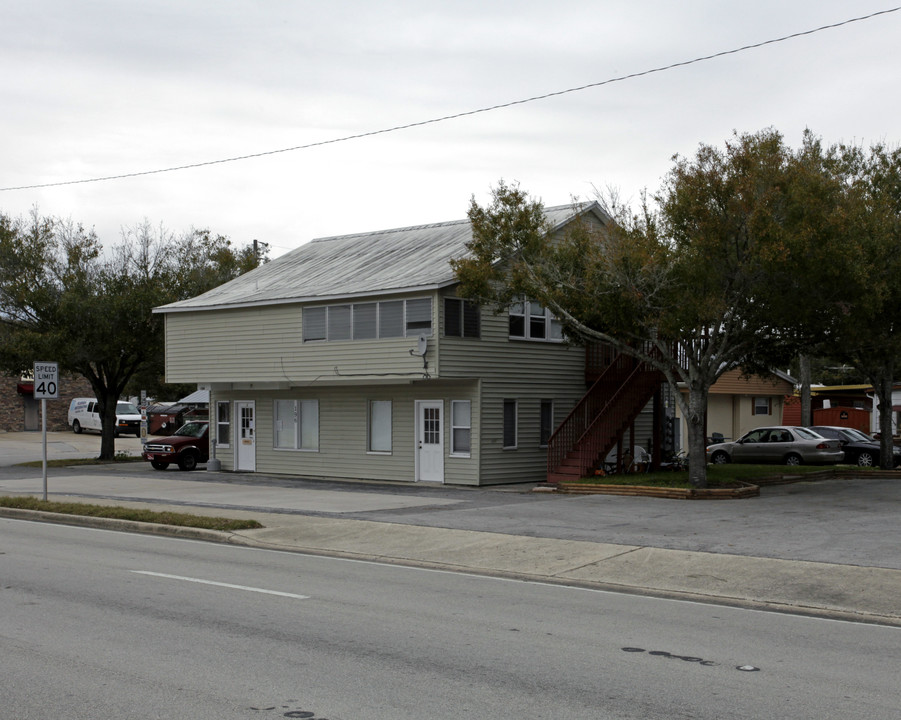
(866, 328)
(64, 297)
(701, 279)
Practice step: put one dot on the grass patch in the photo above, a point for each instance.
(134, 514)
(119, 458)
(717, 476)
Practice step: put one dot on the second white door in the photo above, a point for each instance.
(429, 440)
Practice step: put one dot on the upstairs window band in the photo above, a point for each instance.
(530, 320)
(368, 321)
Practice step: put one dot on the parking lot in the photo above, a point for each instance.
(851, 521)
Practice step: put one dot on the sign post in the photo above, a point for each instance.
(46, 387)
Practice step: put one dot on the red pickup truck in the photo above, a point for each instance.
(188, 446)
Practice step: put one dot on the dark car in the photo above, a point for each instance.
(188, 446)
(860, 449)
(785, 444)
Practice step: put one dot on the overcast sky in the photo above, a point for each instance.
(90, 89)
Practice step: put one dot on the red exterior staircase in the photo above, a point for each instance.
(600, 419)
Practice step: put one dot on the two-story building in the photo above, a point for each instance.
(353, 357)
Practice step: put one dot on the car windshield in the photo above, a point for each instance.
(126, 408)
(192, 429)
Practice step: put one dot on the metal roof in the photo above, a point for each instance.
(198, 397)
(374, 263)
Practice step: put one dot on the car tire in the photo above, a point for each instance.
(720, 457)
(187, 461)
(793, 459)
(866, 459)
(158, 464)
(76, 427)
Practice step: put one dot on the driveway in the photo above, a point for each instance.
(20, 447)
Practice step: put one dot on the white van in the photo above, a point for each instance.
(83, 415)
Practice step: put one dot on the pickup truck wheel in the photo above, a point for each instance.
(187, 460)
(158, 464)
(76, 427)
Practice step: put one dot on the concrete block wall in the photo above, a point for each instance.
(19, 413)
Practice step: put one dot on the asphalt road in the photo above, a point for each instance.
(100, 625)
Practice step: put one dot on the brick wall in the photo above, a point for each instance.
(14, 407)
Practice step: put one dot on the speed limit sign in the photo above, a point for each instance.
(46, 381)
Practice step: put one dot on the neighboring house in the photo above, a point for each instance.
(352, 357)
(19, 411)
(737, 405)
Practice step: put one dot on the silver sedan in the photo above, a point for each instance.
(784, 444)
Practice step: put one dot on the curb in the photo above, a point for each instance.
(141, 528)
(801, 608)
(743, 490)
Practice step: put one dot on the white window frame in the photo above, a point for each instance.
(227, 423)
(306, 323)
(347, 324)
(523, 308)
(297, 409)
(515, 404)
(766, 405)
(373, 423)
(454, 451)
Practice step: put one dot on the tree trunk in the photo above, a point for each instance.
(697, 435)
(107, 426)
(886, 444)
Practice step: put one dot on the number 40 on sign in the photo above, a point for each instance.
(46, 381)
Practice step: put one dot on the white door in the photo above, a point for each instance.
(429, 441)
(245, 454)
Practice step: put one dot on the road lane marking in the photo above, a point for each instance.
(221, 584)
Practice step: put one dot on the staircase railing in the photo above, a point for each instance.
(601, 417)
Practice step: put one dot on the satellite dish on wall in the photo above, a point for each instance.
(422, 345)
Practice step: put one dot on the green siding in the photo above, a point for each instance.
(522, 370)
(343, 432)
(258, 354)
(265, 345)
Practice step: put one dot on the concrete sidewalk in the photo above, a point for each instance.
(307, 520)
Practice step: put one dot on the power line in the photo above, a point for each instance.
(466, 113)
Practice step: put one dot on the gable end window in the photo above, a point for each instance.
(461, 318)
(530, 320)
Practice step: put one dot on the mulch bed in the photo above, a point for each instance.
(735, 490)
(732, 491)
